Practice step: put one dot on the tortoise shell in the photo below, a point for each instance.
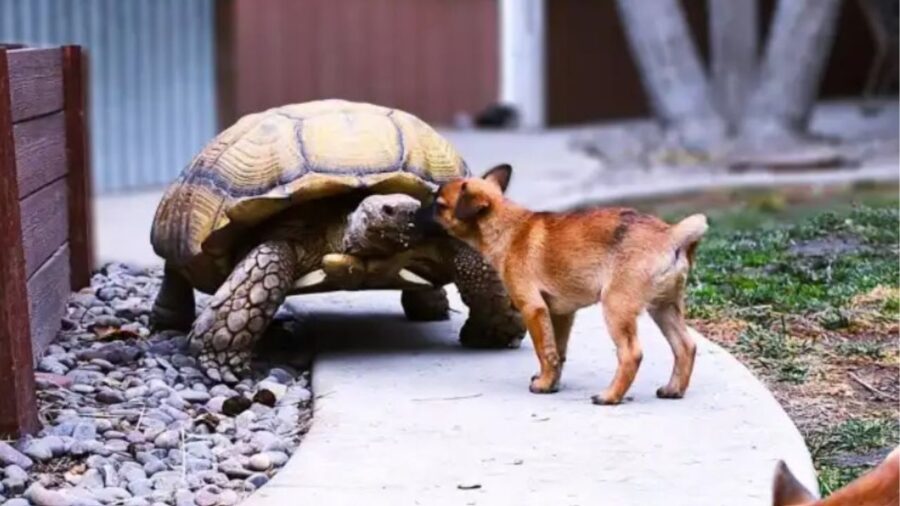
(269, 161)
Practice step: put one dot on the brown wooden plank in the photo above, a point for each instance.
(19, 413)
(40, 152)
(45, 223)
(48, 290)
(35, 78)
(81, 216)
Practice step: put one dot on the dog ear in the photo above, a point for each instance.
(469, 205)
(786, 490)
(499, 175)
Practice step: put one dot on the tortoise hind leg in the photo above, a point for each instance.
(493, 321)
(425, 305)
(241, 309)
(174, 305)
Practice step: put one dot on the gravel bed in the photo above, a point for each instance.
(129, 419)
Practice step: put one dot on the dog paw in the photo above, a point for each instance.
(668, 393)
(540, 385)
(606, 399)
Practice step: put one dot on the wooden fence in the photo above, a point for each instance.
(44, 213)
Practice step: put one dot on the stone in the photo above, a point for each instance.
(136, 501)
(85, 430)
(245, 419)
(222, 391)
(16, 472)
(40, 496)
(233, 469)
(135, 436)
(116, 446)
(154, 466)
(13, 485)
(166, 480)
(278, 459)
(81, 448)
(83, 389)
(110, 476)
(199, 449)
(11, 456)
(38, 449)
(206, 496)
(260, 462)
(109, 396)
(17, 501)
(167, 439)
(91, 479)
(110, 495)
(52, 365)
(228, 498)
(267, 441)
(140, 487)
(184, 498)
(137, 392)
(195, 396)
(214, 404)
(257, 480)
(134, 471)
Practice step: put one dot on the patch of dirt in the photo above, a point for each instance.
(852, 372)
(831, 246)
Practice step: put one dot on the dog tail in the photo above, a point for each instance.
(687, 233)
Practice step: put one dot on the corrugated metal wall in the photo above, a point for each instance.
(152, 78)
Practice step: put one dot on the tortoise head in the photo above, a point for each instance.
(382, 225)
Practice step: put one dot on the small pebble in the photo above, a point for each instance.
(260, 462)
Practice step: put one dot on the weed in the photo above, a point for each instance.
(865, 349)
(854, 436)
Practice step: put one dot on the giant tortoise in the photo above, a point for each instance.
(314, 197)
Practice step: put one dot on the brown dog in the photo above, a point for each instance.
(878, 487)
(554, 264)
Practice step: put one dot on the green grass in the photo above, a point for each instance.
(757, 272)
(855, 436)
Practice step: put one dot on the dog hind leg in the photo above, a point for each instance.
(621, 321)
(670, 318)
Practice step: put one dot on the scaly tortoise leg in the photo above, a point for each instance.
(174, 306)
(493, 320)
(241, 309)
(425, 305)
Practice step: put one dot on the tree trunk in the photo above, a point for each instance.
(799, 44)
(670, 68)
(734, 45)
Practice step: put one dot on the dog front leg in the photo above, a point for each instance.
(540, 326)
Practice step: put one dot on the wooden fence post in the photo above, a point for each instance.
(81, 241)
(17, 389)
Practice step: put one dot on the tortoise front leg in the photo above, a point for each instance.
(174, 306)
(493, 320)
(241, 309)
(426, 305)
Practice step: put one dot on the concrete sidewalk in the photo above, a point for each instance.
(406, 416)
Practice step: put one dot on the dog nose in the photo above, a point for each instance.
(424, 222)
